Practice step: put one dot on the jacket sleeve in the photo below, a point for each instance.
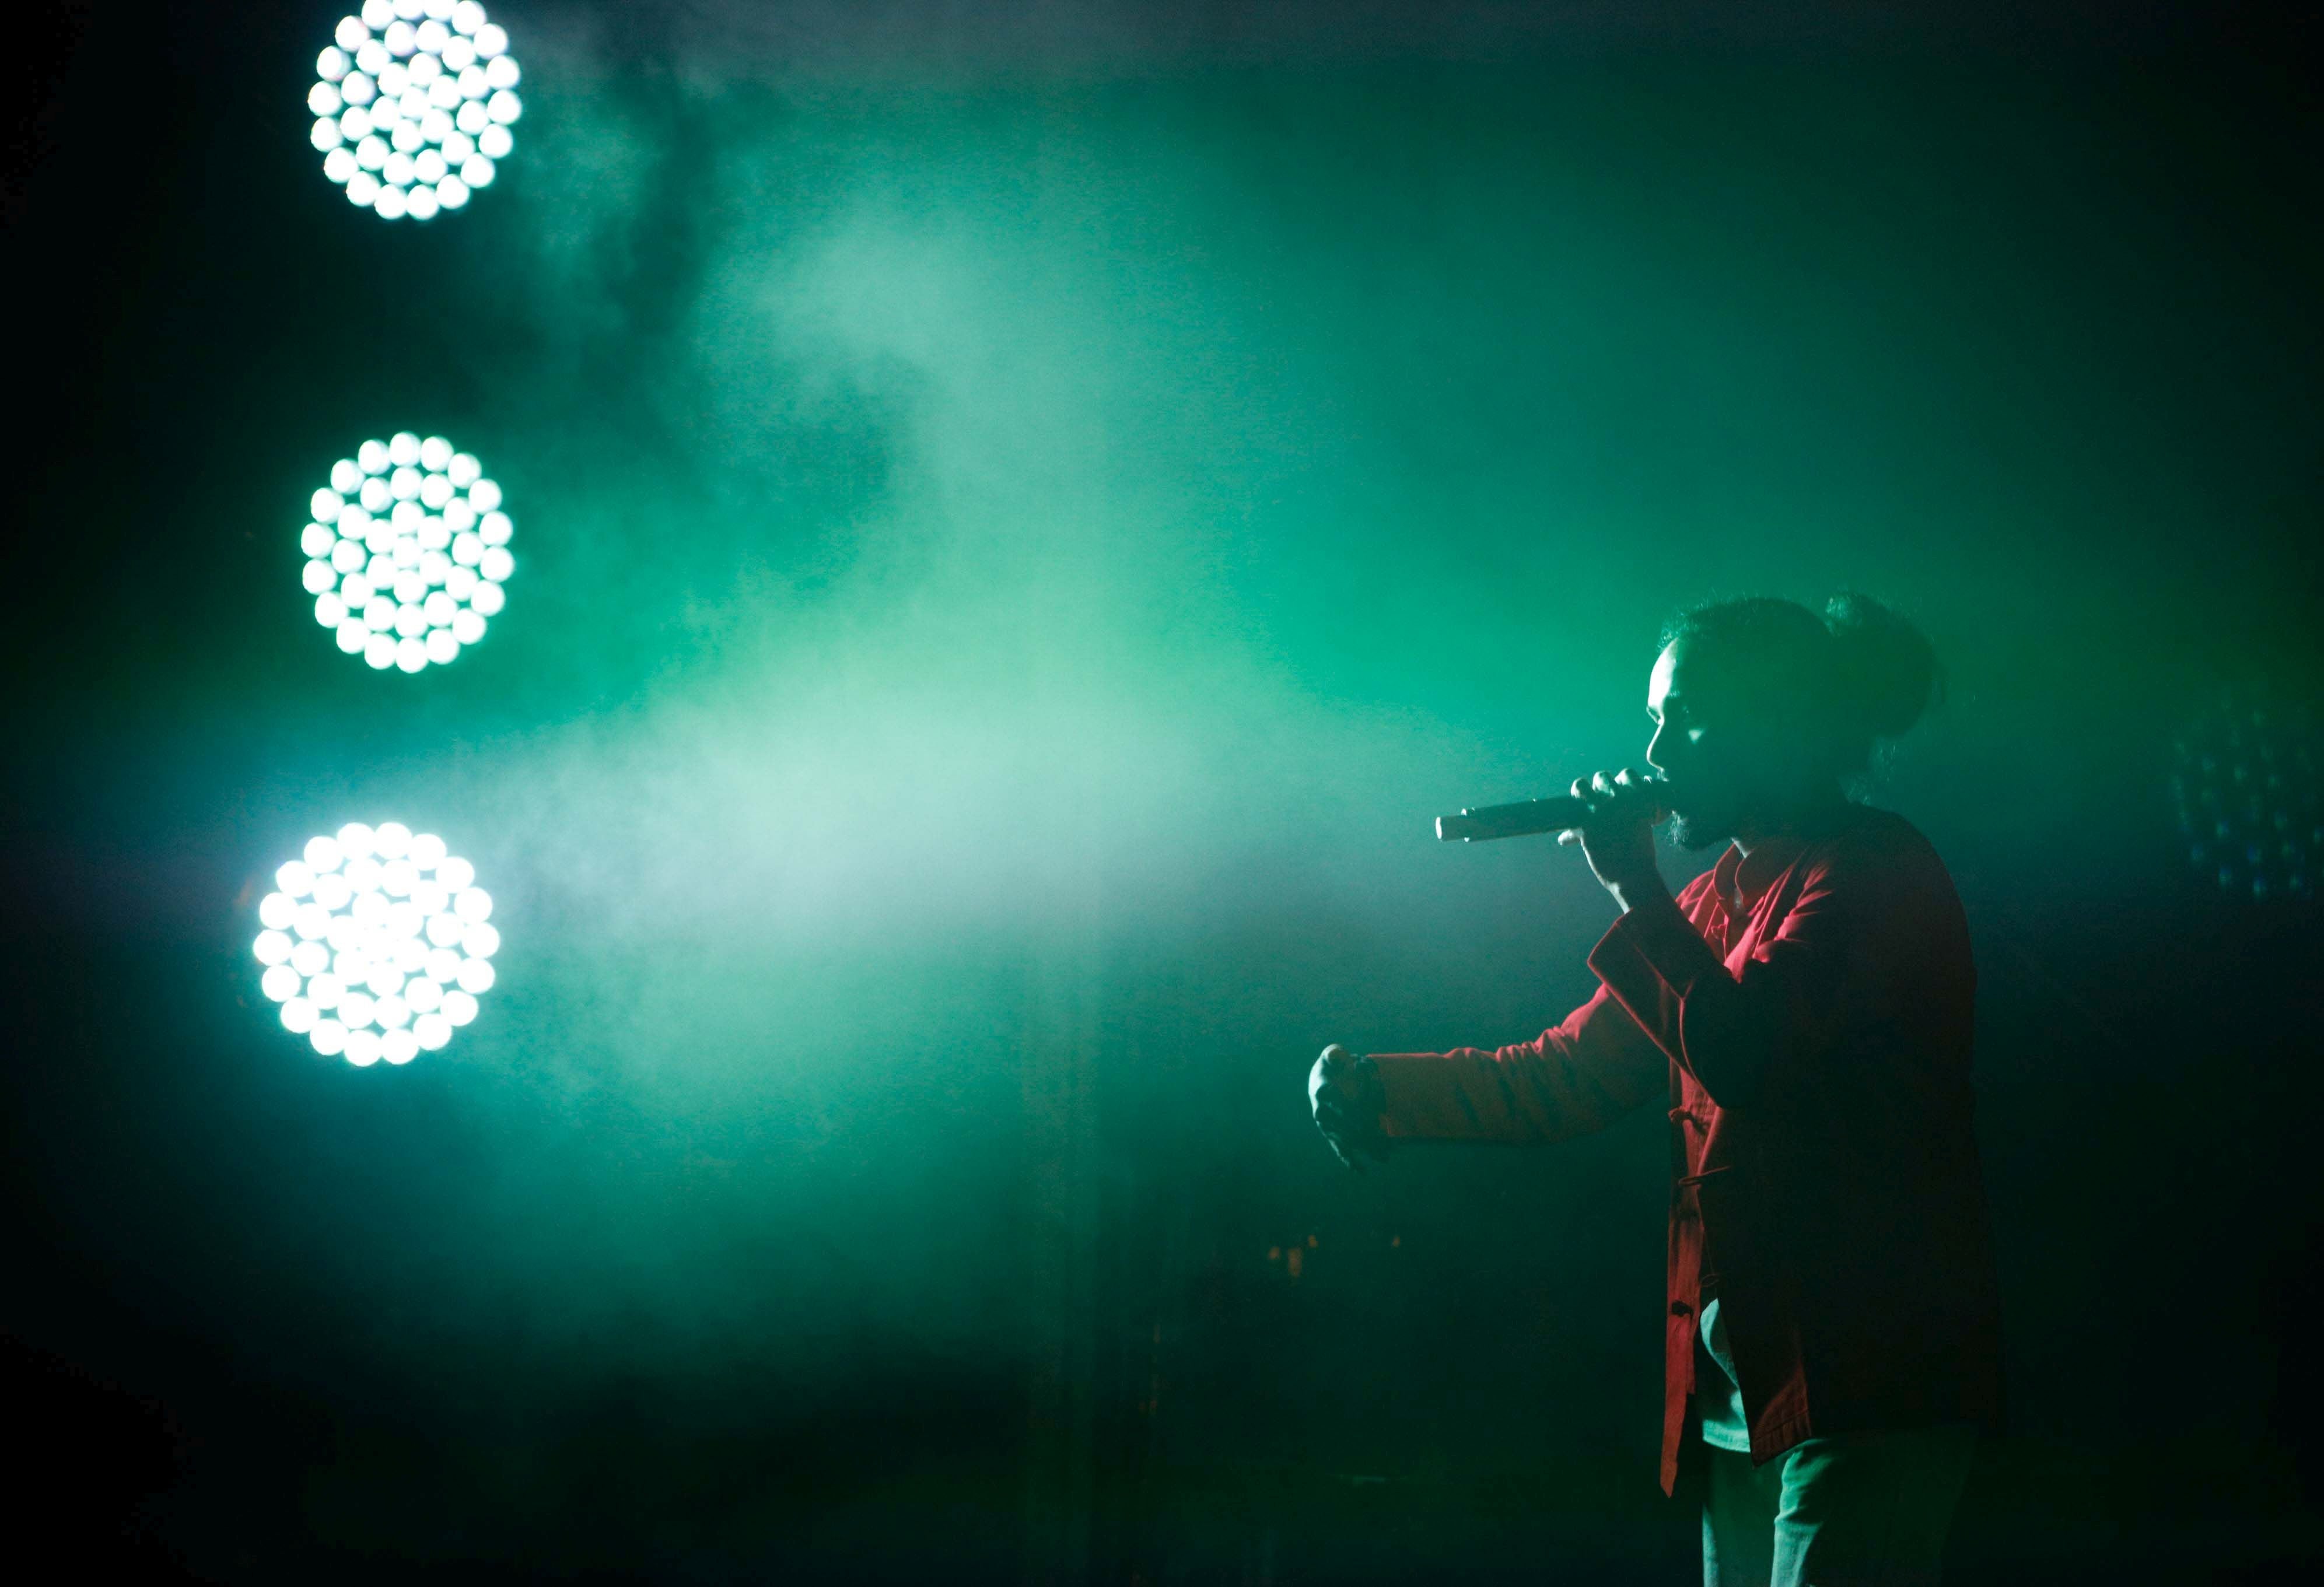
(1577, 1077)
(1729, 1029)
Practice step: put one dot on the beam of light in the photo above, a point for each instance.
(412, 102)
(407, 552)
(377, 943)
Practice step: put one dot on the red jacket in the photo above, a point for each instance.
(1809, 1014)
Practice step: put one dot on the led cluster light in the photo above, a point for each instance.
(2249, 792)
(407, 551)
(377, 945)
(414, 105)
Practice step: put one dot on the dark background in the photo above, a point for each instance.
(1023, 513)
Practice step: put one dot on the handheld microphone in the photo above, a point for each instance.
(1526, 818)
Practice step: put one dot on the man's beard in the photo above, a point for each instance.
(1691, 832)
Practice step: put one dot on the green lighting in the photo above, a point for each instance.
(376, 944)
(407, 552)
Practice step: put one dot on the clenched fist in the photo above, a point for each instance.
(1345, 1092)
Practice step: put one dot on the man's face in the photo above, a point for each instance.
(1719, 769)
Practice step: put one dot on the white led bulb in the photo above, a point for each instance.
(407, 550)
(377, 944)
(412, 104)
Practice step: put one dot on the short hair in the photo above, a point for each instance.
(1866, 673)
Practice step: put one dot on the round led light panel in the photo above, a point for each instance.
(377, 944)
(407, 552)
(413, 105)
(2249, 790)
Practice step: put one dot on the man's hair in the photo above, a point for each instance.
(1863, 673)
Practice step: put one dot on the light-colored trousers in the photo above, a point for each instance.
(1865, 1509)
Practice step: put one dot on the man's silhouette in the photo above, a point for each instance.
(1805, 1008)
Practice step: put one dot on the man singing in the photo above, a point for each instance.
(1833, 1335)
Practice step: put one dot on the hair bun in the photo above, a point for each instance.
(1888, 668)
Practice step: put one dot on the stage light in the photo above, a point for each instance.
(2250, 800)
(407, 552)
(413, 106)
(376, 943)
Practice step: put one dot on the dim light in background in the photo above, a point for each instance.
(413, 106)
(2249, 801)
(407, 551)
(377, 943)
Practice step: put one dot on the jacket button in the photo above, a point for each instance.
(1679, 1308)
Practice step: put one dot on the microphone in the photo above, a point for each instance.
(1526, 818)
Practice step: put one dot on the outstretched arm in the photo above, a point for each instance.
(1574, 1078)
(1577, 1077)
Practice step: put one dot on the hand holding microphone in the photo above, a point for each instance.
(1617, 832)
(1612, 816)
